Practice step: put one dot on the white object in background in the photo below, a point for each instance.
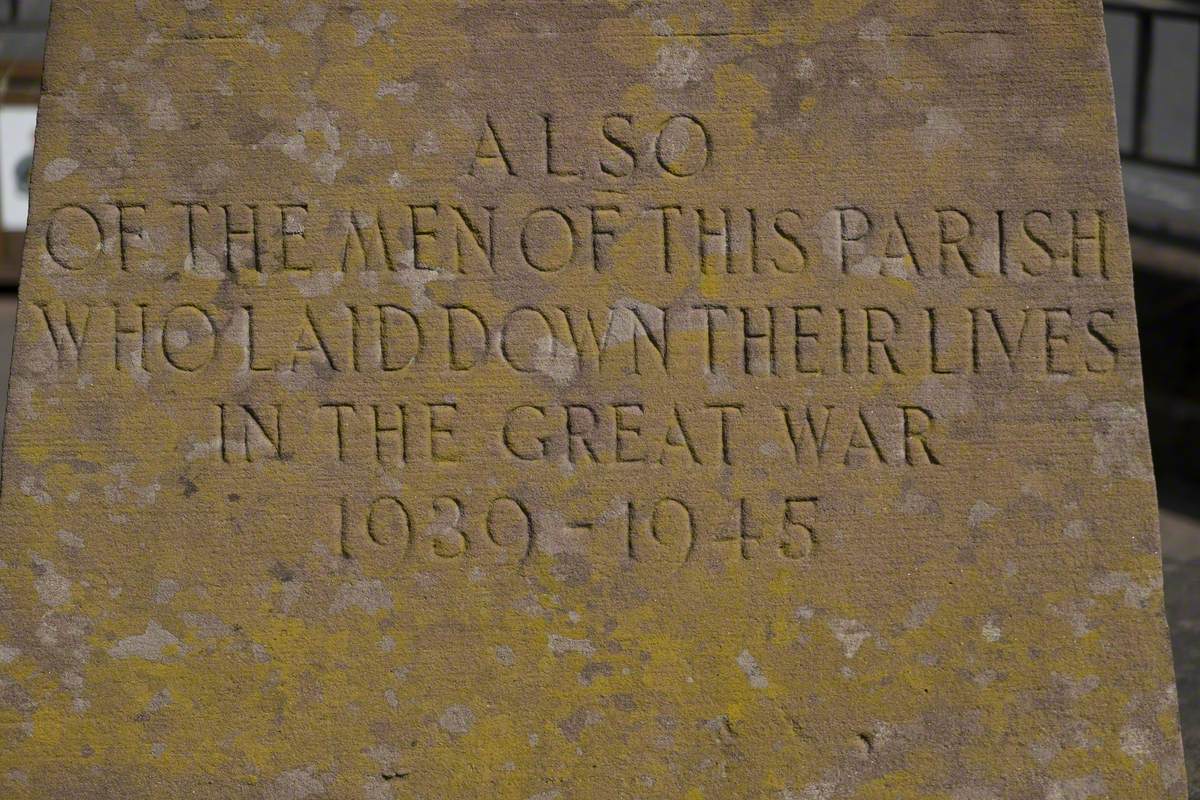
(17, 126)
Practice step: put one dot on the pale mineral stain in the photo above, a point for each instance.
(33, 487)
(562, 645)
(940, 131)
(1085, 788)
(418, 281)
(404, 91)
(457, 720)
(1076, 529)
(370, 596)
(165, 591)
(52, 589)
(556, 359)
(754, 673)
(851, 633)
(981, 512)
(156, 644)
(310, 19)
(678, 65)
(162, 113)
(920, 613)
(70, 540)
(59, 169)
(1136, 595)
(296, 784)
(161, 700)
(1119, 438)
(429, 144)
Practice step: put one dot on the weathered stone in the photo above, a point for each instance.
(580, 400)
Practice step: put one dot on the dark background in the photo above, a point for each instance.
(1155, 51)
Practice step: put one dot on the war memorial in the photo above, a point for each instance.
(580, 401)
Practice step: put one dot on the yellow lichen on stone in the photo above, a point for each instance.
(553, 400)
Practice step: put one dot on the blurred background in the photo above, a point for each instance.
(1155, 51)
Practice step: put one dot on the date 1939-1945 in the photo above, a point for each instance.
(507, 530)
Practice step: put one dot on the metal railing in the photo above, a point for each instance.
(24, 13)
(1152, 21)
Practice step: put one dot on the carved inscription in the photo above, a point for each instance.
(352, 340)
(247, 240)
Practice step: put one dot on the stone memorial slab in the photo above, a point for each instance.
(571, 400)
